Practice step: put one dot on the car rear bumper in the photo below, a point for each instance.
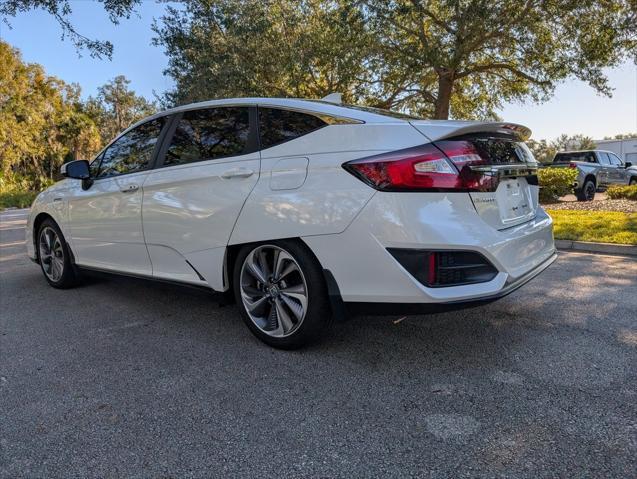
(389, 309)
(365, 272)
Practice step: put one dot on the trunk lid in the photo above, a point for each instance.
(495, 157)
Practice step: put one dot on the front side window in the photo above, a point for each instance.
(94, 166)
(208, 134)
(603, 158)
(615, 160)
(131, 152)
(278, 126)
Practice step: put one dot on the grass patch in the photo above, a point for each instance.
(595, 226)
(17, 199)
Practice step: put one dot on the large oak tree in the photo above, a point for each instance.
(436, 58)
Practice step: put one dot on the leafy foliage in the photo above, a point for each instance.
(621, 136)
(555, 183)
(596, 226)
(616, 192)
(116, 107)
(233, 48)
(433, 58)
(43, 121)
(61, 11)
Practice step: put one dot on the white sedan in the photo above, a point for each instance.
(305, 210)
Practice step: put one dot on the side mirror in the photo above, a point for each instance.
(628, 164)
(76, 169)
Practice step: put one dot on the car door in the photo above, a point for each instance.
(105, 218)
(618, 174)
(604, 175)
(207, 168)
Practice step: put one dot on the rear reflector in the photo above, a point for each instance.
(436, 269)
(449, 165)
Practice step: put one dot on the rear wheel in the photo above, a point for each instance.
(281, 293)
(587, 192)
(54, 256)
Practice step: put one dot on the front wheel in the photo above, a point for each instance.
(587, 192)
(281, 293)
(633, 181)
(55, 256)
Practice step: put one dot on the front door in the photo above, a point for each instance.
(105, 219)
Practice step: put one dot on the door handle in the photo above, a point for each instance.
(130, 189)
(237, 173)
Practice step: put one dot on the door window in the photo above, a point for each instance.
(133, 151)
(615, 160)
(603, 158)
(208, 134)
(277, 126)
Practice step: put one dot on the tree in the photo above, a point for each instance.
(41, 123)
(61, 11)
(116, 107)
(297, 48)
(621, 136)
(468, 57)
(436, 58)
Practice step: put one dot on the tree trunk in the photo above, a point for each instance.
(445, 88)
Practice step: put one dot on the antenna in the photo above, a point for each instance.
(333, 98)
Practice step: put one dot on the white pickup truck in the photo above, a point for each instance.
(597, 169)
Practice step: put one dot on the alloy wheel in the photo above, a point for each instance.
(589, 192)
(273, 291)
(51, 254)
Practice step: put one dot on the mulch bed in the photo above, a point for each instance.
(624, 206)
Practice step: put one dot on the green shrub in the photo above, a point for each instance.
(622, 192)
(555, 182)
(17, 199)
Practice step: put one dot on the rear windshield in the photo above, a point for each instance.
(585, 156)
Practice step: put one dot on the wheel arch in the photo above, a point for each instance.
(232, 253)
(37, 222)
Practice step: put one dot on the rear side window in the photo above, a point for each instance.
(133, 151)
(208, 134)
(278, 126)
(585, 156)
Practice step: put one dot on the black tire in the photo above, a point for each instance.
(587, 191)
(317, 317)
(68, 276)
(633, 181)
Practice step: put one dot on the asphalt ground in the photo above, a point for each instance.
(128, 378)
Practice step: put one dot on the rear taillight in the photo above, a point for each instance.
(572, 165)
(443, 166)
(436, 269)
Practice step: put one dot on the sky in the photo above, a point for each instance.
(575, 107)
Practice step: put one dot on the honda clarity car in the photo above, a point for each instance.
(305, 211)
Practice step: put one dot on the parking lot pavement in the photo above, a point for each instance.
(123, 377)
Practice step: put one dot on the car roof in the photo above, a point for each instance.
(309, 106)
(583, 151)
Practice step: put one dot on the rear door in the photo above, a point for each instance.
(206, 169)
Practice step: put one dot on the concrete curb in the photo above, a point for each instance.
(603, 248)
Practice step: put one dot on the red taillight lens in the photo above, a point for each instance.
(572, 165)
(443, 166)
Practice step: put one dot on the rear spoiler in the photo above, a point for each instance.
(442, 130)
